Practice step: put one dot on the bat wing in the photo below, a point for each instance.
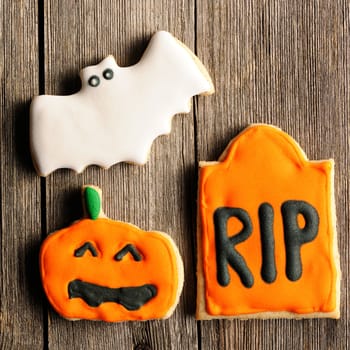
(66, 132)
(166, 78)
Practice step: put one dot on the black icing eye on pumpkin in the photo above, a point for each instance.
(94, 81)
(108, 74)
(129, 248)
(86, 246)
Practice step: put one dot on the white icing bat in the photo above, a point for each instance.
(119, 111)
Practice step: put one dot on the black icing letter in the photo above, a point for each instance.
(294, 236)
(268, 267)
(225, 246)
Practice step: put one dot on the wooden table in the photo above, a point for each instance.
(283, 62)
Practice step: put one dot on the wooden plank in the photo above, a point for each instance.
(154, 196)
(284, 63)
(21, 309)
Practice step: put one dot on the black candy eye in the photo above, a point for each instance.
(129, 248)
(108, 74)
(94, 81)
(86, 246)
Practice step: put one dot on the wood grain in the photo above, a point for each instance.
(21, 321)
(284, 63)
(281, 62)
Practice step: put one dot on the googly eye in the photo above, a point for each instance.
(94, 81)
(108, 74)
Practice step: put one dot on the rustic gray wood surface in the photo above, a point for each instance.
(280, 61)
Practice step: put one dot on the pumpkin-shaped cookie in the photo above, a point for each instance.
(101, 269)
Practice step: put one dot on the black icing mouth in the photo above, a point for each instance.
(132, 298)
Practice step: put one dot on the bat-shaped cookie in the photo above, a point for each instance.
(119, 111)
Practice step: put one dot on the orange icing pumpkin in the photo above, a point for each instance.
(101, 269)
(267, 238)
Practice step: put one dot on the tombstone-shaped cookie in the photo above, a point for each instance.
(267, 243)
(119, 111)
(101, 269)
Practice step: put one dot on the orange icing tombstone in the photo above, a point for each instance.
(101, 269)
(267, 231)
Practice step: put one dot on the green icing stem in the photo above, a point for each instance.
(92, 202)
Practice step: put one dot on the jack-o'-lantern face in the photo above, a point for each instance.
(110, 270)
